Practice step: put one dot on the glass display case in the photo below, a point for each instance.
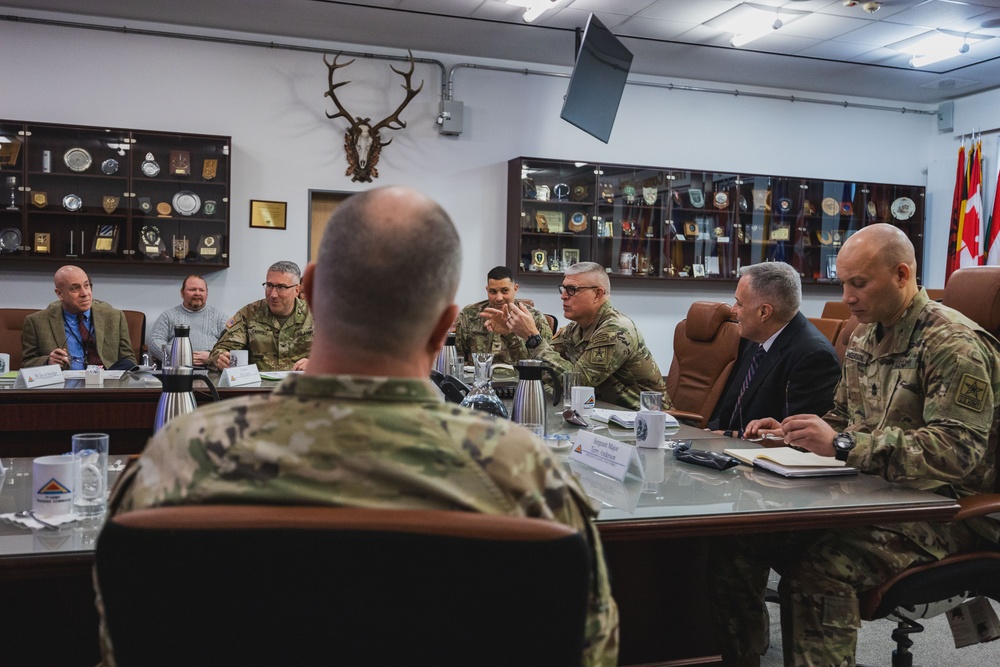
(111, 195)
(653, 223)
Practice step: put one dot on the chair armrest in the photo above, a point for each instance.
(689, 418)
(978, 505)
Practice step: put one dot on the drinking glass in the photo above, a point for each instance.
(91, 476)
(651, 400)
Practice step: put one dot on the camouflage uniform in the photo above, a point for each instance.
(273, 346)
(920, 403)
(471, 334)
(367, 442)
(610, 356)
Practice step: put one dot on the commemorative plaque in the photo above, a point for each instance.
(181, 247)
(149, 241)
(208, 247)
(106, 239)
(580, 192)
(163, 210)
(180, 163)
(539, 260)
(209, 208)
(39, 199)
(42, 243)
(649, 195)
(145, 204)
(110, 203)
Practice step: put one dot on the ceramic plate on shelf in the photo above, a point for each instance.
(72, 203)
(10, 240)
(77, 159)
(110, 166)
(831, 206)
(903, 208)
(186, 202)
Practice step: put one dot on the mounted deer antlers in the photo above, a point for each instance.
(362, 141)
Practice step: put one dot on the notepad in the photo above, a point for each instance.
(792, 462)
(625, 418)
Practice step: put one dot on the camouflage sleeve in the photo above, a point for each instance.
(462, 336)
(233, 338)
(939, 416)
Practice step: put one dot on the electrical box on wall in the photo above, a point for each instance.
(946, 117)
(449, 121)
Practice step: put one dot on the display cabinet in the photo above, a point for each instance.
(112, 195)
(659, 223)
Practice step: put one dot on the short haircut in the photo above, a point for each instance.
(778, 284)
(193, 275)
(499, 273)
(594, 271)
(284, 266)
(384, 275)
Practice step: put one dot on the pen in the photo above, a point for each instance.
(786, 397)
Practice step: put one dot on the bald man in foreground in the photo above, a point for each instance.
(915, 405)
(366, 408)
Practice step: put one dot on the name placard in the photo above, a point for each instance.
(237, 376)
(39, 376)
(606, 455)
(623, 495)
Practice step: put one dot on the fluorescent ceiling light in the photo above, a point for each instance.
(535, 8)
(748, 21)
(939, 45)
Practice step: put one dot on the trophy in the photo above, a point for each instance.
(12, 184)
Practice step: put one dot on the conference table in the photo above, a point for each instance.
(656, 532)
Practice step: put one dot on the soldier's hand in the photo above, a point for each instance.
(520, 320)
(222, 363)
(201, 357)
(495, 320)
(758, 428)
(809, 432)
(300, 365)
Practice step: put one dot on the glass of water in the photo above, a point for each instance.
(651, 400)
(90, 494)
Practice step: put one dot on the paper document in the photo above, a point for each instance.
(625, 418)
(792, 462)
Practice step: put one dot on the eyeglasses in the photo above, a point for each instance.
(75, 289)
(281, 289)
(573, 289)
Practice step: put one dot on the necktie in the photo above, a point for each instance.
(754, 363)
(89, 347)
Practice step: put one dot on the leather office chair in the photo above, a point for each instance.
(136, 332)
(827, 326)
(975, 292)
(836, 310)
(844, 337)
(290, 585)
(706, 344)
(11, 324)
(553, 323)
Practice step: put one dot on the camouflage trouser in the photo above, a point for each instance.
(821, 574)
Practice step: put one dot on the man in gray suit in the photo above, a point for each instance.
(76, 331)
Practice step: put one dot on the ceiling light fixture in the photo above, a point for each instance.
(939, 46)
(535, 8)
(748, 22)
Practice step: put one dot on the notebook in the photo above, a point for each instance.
(790, 462)
(625, 418)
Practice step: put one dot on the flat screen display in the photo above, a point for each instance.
(597, 82)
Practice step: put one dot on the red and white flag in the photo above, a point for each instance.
(971, 241)
(991, 249)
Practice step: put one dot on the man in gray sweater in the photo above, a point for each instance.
(207, 322)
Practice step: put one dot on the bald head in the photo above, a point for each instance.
(881, 244)
(73, 289)
(387, 269)
(878, 270)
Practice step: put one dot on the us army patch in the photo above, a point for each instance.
(971, 392)
(599, 356)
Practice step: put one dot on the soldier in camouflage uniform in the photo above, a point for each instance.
(600, 344)
(277, 331)
(916, 405)
(364, 426)
(471, 334)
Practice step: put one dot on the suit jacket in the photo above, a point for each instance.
(798, 375)
(44, 331)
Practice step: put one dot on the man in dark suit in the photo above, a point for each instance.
(76, 331)
(785, 365)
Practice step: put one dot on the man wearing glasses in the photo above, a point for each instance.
(76, 331)
(600, 344)
(277, 331)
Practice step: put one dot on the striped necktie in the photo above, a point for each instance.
(754, 363)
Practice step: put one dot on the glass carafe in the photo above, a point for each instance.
(481, 396)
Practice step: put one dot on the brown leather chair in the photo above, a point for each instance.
(844, 337)
(207, 585)
(975, 292)
(836, 310)
(11, 323)
(136, 332)
(706, 344)
(935, 294)
(828, 327)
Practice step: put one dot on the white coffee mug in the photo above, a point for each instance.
(4, 363)
(239, 357)
(52, 484)
(649, 427)
(583, 400)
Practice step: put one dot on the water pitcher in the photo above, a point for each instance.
(178, 393)
(481, 396)
(529, 396)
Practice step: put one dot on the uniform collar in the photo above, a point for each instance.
(897, 337)
(361, 387)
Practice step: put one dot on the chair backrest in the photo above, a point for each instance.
(291, 585)
(136, 332)
(836, 310)
(844, 337)
(11, 324)
(935, 294)
(706, 344)
(975, 292)
(827, 326)
(553, 322)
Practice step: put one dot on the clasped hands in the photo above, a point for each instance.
(806, 431)
(512, 318)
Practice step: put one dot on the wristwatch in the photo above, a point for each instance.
(843, 443)
(533, 341)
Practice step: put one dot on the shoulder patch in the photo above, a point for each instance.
(971, 393)
(231, 322)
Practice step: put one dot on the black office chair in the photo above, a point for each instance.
(289, 585)
(918, 591)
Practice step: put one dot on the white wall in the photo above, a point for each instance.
(271, 102)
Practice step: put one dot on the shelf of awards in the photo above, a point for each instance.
(667, 224)
(113, 196)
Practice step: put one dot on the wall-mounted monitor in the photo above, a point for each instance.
(597, 82)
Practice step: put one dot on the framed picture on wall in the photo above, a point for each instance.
(570, 256)
(268, 214)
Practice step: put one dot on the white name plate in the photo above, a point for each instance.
(237, 376)
(606, 455)
(39, 376)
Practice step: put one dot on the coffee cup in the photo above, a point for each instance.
(52, 482)
(649, 428)
(239, 357)
(4, 363)
(583, 400)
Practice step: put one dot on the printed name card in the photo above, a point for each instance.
(237, 376)
(39, 376)
(606, 455)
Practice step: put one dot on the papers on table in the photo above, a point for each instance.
(625, 418)
(277, 375)
(791, 462)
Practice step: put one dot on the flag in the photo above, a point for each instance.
(957, 209)
(971, 228)
(991, 247)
